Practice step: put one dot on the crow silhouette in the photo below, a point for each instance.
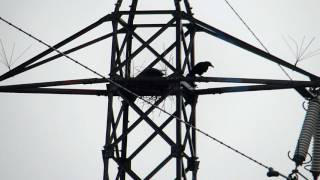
(199, 68)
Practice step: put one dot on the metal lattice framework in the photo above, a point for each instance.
(182, 143)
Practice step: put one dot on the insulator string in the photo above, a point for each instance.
(307, 131)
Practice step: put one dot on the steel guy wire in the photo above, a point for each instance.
(141, 98)
(254, 34)
(51, 47)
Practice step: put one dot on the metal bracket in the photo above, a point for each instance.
(107, 152)
(124, 163)
(193, 164)
(176, 150)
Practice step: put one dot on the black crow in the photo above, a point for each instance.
(199, 68)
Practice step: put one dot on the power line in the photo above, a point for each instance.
(141, 98)
(254, 35)
(51, 47)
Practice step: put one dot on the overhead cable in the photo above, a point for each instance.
(254, 35)
(141, 98)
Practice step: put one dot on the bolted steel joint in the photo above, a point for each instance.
(107, 152)
(176, 150)
(193, 164)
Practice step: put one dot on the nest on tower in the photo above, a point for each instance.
(150, 82)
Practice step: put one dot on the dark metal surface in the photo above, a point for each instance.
(57, 91)
(159, 86)
(148, 12)
(118, 127)
(147, 43)
(222, 90)
(178, 71)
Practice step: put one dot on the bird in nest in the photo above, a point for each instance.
(151, 72)
(147, 73)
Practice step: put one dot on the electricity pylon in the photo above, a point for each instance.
(180, 24)
(183, 45)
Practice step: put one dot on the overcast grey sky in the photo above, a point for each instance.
(60, 137)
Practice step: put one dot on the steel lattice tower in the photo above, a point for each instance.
(127, 45)
(183, 45)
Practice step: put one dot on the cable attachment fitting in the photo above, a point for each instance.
(293, 175)
(315, 91)
(107, 152)
(193, 164)
(300, 159)
(176, 150)
(272, 173)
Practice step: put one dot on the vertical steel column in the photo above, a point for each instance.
(124, 143)
(128, 42)
(133, 8)
(108, 152)
(193, 108)
(178, 97)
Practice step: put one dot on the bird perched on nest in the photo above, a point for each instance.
(199, 68)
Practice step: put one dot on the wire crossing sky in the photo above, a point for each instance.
(245, 108)
(148, 102)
